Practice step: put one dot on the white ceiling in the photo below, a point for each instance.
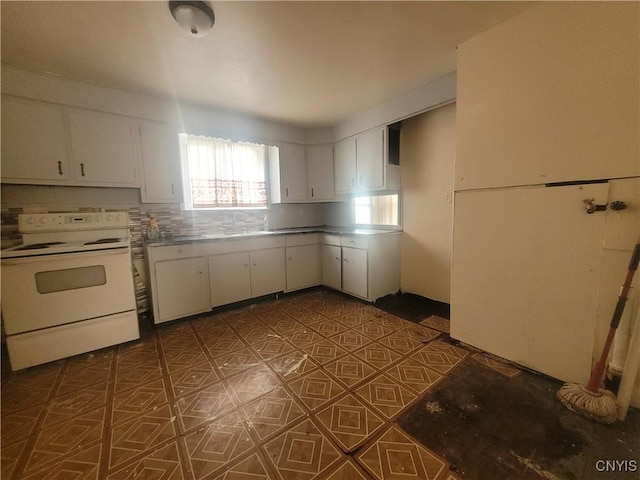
(308, 64)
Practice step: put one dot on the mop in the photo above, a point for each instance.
(591, 401)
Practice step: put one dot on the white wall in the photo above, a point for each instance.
(427, 158)
(551, 95)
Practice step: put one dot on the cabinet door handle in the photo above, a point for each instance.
(338, 258)
(82, 169)
(60, 172)
(245, 264)
(312, 192)
(345, 260)
(179, 250)
(286, 192)
(290, 259)
(353, 181)
(200, 271)
(172, 190)
(253, 264)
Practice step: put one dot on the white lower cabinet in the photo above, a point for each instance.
(242, 275)
(332, 266)
(267, 271)
(355, 272)
(229, 278)
(366, 266)
(191, 278)
(182, 288)
(302, 267)
(303, 261)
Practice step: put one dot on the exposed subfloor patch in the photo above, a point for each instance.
(489, 426)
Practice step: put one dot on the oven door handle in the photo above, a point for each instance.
(56, 257)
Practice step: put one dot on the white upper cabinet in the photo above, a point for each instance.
(103, 148)
(45, 143)
(288, 174)
(361, 163)
(320, 173)
(34, 142)
(370, 159)
(302, 174)
(345, 165)
(161, 180)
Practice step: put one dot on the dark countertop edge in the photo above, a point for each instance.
(182, 239)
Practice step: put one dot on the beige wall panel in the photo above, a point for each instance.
(427, 154)
(551, 95)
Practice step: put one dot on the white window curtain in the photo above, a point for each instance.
(219, 173)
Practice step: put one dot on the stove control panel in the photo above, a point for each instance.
(65, 222)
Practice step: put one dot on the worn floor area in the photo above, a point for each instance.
(314, 385)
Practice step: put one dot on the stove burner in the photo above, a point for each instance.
(37, 246)
(103, 240)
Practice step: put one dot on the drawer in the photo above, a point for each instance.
(171, 252)
(330, 239)
(244, 245)
(295, 240)
(355, 242)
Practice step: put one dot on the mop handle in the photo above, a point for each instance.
(598, 370)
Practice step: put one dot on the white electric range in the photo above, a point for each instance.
(68, 289)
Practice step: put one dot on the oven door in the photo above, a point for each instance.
(45, 291)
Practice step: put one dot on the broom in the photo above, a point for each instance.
(591, 401)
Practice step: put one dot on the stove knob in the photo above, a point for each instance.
(108, 217)
(43, 220)
(31, 220)
(119, 217)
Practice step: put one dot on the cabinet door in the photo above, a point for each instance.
(355, 271)
(182, 288)
(34, 141)
(370, 159)
(302, 267)
(320, 172)
(332, 266)
(345, 165)
(293, 174)
(267, 271)
(103, 149)
(161, 172)
(229, 277)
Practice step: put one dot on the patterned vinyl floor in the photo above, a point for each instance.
(304, 387)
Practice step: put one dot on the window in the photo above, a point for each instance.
(219, 173)
(376, 210)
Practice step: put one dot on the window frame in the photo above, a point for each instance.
(352, 202)
(187, 203)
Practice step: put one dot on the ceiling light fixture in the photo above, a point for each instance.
(196, 18)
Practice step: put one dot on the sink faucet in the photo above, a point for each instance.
(240, 217)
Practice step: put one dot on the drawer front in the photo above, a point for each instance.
(302, 239)
(171, 252)
(244, 245)
(355, 242)
(330, 239)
